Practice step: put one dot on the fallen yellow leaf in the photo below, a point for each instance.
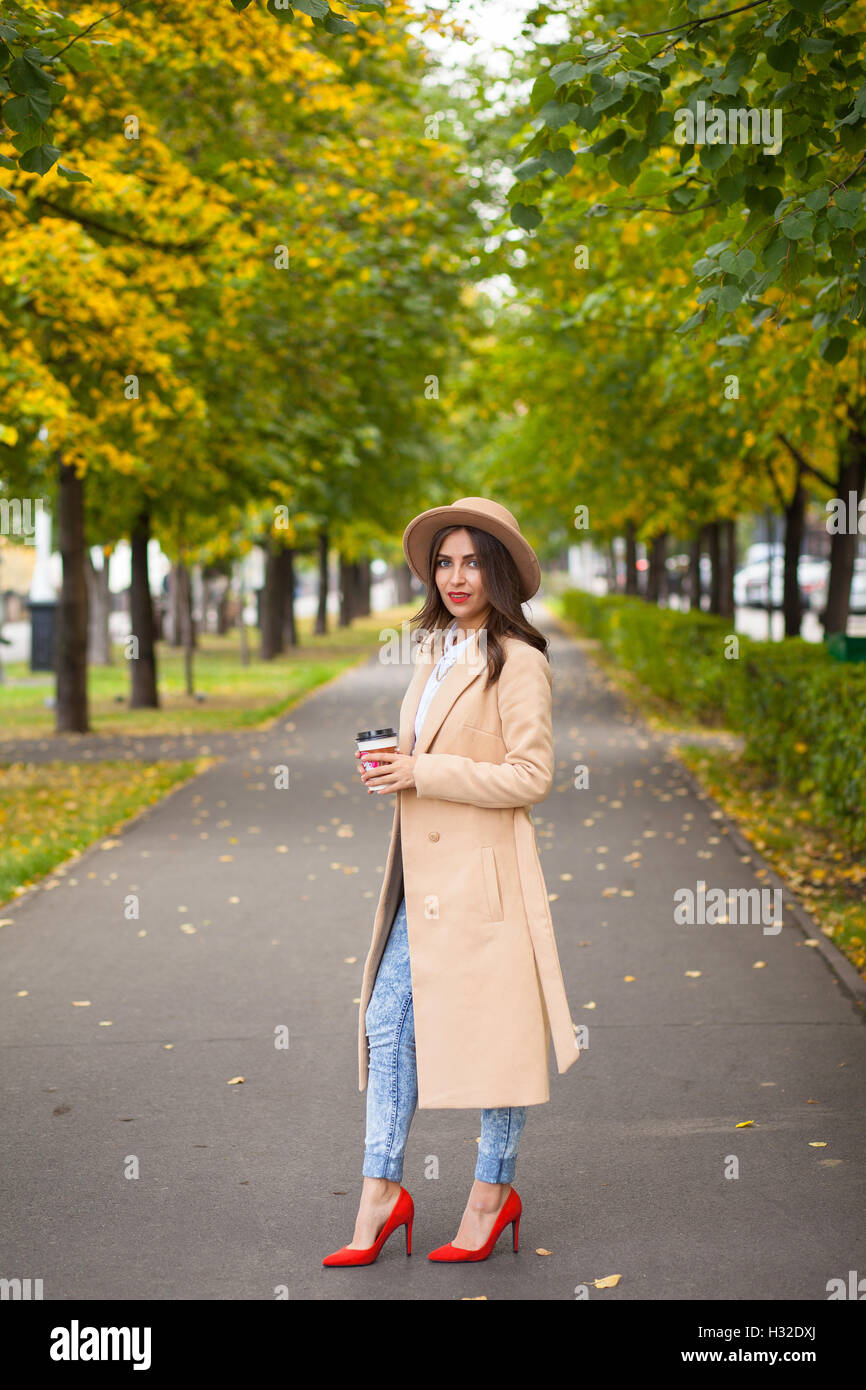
(542, 1251)
(235, 1081)
(609, 1282)
(693, 974)
(817, 1143)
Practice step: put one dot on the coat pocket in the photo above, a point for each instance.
(491, 883)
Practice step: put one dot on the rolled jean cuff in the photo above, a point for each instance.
(494, 1169)
(377, 1166)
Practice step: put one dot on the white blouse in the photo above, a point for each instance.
(449, 655)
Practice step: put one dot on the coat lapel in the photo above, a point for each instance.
(468, 666)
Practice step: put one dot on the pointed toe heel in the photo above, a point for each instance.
(509, 1215)
(402, 1214)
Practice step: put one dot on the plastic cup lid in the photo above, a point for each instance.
(376, 733)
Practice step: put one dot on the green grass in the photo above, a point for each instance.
(50, 811)
(237, 696)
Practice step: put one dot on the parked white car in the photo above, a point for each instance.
(857, 601)
(750, 582)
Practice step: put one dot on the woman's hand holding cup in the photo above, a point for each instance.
(395, 773)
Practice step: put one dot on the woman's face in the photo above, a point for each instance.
(459, 579)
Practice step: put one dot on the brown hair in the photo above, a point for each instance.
(502, 590)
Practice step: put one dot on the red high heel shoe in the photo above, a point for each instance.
(402, 1214)
(510, 1212)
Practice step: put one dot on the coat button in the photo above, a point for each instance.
(433, 835)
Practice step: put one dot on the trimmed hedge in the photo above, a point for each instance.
(802, 714)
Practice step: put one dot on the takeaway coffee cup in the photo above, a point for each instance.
(370, 740)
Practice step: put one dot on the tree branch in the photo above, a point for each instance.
(91, 224)
(804, 462)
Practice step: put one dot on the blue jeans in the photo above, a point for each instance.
(392, 1084)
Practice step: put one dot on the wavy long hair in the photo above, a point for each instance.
(502, 590)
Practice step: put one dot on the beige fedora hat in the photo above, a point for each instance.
(487, 516)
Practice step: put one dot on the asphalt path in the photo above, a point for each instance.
(135, 1169)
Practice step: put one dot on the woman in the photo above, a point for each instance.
(462, 987)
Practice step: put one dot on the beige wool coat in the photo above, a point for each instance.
(487, 986)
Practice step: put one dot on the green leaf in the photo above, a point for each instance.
(798, 225)
(10, 197)
(542, 89)
(560, 161)
(316, 9)
(817, 199)
(730, 187)
(24, 76)
(561, 73)
(783, 57)
(7, 163)
(526, 216)
(24, 110)
(737, 263)
(73, 175)
(733, 340)
(833, 349)
(241, 4)
(39, 159)
(530, 169)
(622, 170)
(838, 218)
(730, 298)
(848, 199)
(335, 24)
(556, 114)
(610, 142)
(691, 322)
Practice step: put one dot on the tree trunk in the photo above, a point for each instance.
(175, 607)
(98, 609)
(403, 577)
(347, 583)
(612, 584)
(184, 576)
(290, 627)
(657, 588)
(630, 560)
(71, 652)
(222, 617)
(843, 544)
(322, 612)
(727, 561)
(795, 513)
(694, 576)
(143, 693)
(714, 548)
(364, 587)
(245, 648)
(271, 635)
